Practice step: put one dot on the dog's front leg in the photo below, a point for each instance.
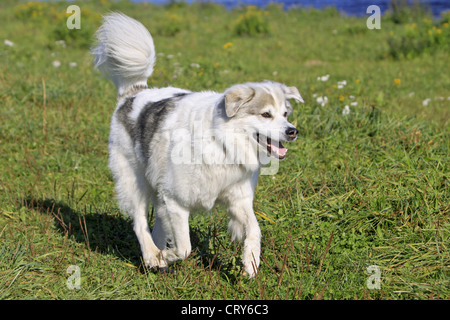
(244, 226)
(252, 246)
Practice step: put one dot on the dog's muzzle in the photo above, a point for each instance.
(291, 133)
(273, 146)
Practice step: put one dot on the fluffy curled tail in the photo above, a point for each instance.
(125, 52)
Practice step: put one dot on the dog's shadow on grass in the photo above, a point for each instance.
(110, 232)
(106, 233)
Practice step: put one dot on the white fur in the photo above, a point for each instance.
(125, 52)
(187, 168)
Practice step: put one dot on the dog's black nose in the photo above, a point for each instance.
(292, 132)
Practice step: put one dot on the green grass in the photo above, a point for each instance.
(367, 188)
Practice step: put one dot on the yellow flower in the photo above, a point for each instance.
(439, 31)
(341, 98)
(411, 26)
(397, 81)
(445, 25)
(227, 45)
(357, 81)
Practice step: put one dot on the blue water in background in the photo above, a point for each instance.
(348, 7)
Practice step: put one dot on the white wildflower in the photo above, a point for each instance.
(352, 97)
(61, 43)
(73, 64)
(341, 84)
(323, 78)
(322, 101)
(346, 110)
(426, 102)
(195, 65)
(354, 103)
(56, 63)
(8, 43)
(170, 56)
(177, 72)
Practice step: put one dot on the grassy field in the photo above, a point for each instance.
(368, 186)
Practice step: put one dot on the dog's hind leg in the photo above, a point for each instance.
(133, 193)
(160, 233)
(172, 223)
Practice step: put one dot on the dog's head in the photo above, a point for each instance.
(262, 110)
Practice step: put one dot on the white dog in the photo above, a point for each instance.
(184, 150)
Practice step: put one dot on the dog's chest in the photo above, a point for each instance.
(204, 187)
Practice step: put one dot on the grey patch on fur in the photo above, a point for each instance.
(259, 100)
(181, 94)
(150, 119)
(220, 110)
(123, 116)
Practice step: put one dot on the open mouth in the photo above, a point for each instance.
(274, 148)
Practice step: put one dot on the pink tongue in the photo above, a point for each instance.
(279, 150)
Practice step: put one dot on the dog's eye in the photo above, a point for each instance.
(266, 115)
(285, 114)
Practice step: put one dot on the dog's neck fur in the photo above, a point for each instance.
(132, 91)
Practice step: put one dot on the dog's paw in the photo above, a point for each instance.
(247, 272)
(250, 265)
(155, 262)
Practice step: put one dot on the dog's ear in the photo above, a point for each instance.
(236, 97)
(292, 93)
